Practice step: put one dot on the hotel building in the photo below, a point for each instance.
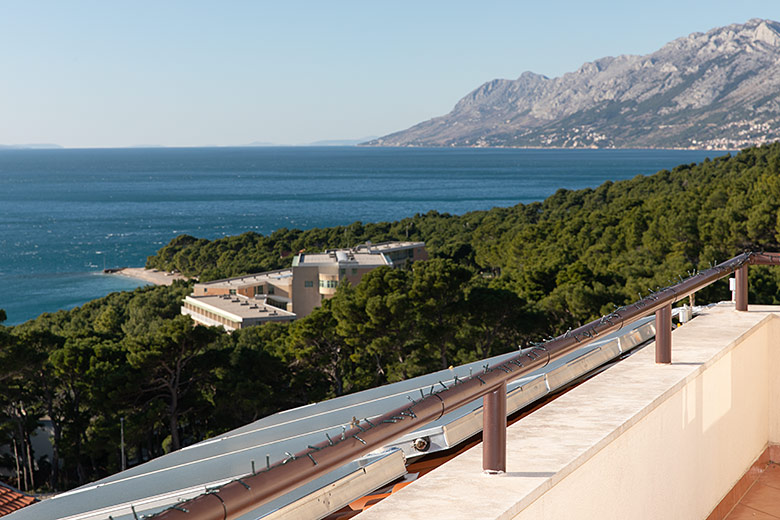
(287, 294)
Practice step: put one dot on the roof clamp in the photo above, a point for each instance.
(481, 380)
(243, 484)
(312, 458)
(369, 422)
(290, 457)
(358, 438)
(409, 413)
(343, 431)
(253, 467)
(330, 441)
(132, 508)
(445, 386)
(268, 461)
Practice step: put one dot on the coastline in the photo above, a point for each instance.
(558, 148)
(73, 285)
(152, 276)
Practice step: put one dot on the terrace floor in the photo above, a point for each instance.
(691, 428)
(762, 499)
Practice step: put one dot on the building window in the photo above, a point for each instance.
(205, 289)
(354, 270)
(270, 289)
(278, 304)
(308, 283)
(232, 291)
(342, 271)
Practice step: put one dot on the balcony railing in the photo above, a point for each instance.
(249, 492)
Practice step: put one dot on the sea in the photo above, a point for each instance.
(66, 214)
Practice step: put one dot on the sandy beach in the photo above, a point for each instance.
(148, 275)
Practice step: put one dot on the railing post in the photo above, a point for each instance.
(663, 334)
(741, 296)
(494, 431)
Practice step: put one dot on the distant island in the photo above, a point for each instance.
(32, 146)
(260, 143)
(719, 90)
(341, 142)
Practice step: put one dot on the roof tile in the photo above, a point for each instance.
(12, 499)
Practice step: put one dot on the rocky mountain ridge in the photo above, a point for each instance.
(714, 90)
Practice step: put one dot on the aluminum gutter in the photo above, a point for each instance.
(459, 425)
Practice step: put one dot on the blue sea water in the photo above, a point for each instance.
(66, 214)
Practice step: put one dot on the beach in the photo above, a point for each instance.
(44, 272)
(152, 276)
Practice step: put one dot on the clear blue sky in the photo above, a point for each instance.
(187, 73)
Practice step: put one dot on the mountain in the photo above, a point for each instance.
(719, 90)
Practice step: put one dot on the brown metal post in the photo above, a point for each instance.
(663, 334)
(741, 276)
(494, 431)
(241, 496)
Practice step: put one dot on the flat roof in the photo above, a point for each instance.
(192, 470)
(342, 257)
(250, 279)
(238, 308)
(189, 472)
(386, 247)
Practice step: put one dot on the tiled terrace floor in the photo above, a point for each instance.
(762, 500)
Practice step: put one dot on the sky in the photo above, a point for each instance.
(222, 73)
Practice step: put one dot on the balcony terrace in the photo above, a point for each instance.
(682, 432)
(663, 434)
(640, 440)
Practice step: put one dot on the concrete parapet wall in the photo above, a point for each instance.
(640, 440)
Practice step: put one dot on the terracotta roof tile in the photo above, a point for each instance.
(12, 499)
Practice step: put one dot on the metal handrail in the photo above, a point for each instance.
(251, 491)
